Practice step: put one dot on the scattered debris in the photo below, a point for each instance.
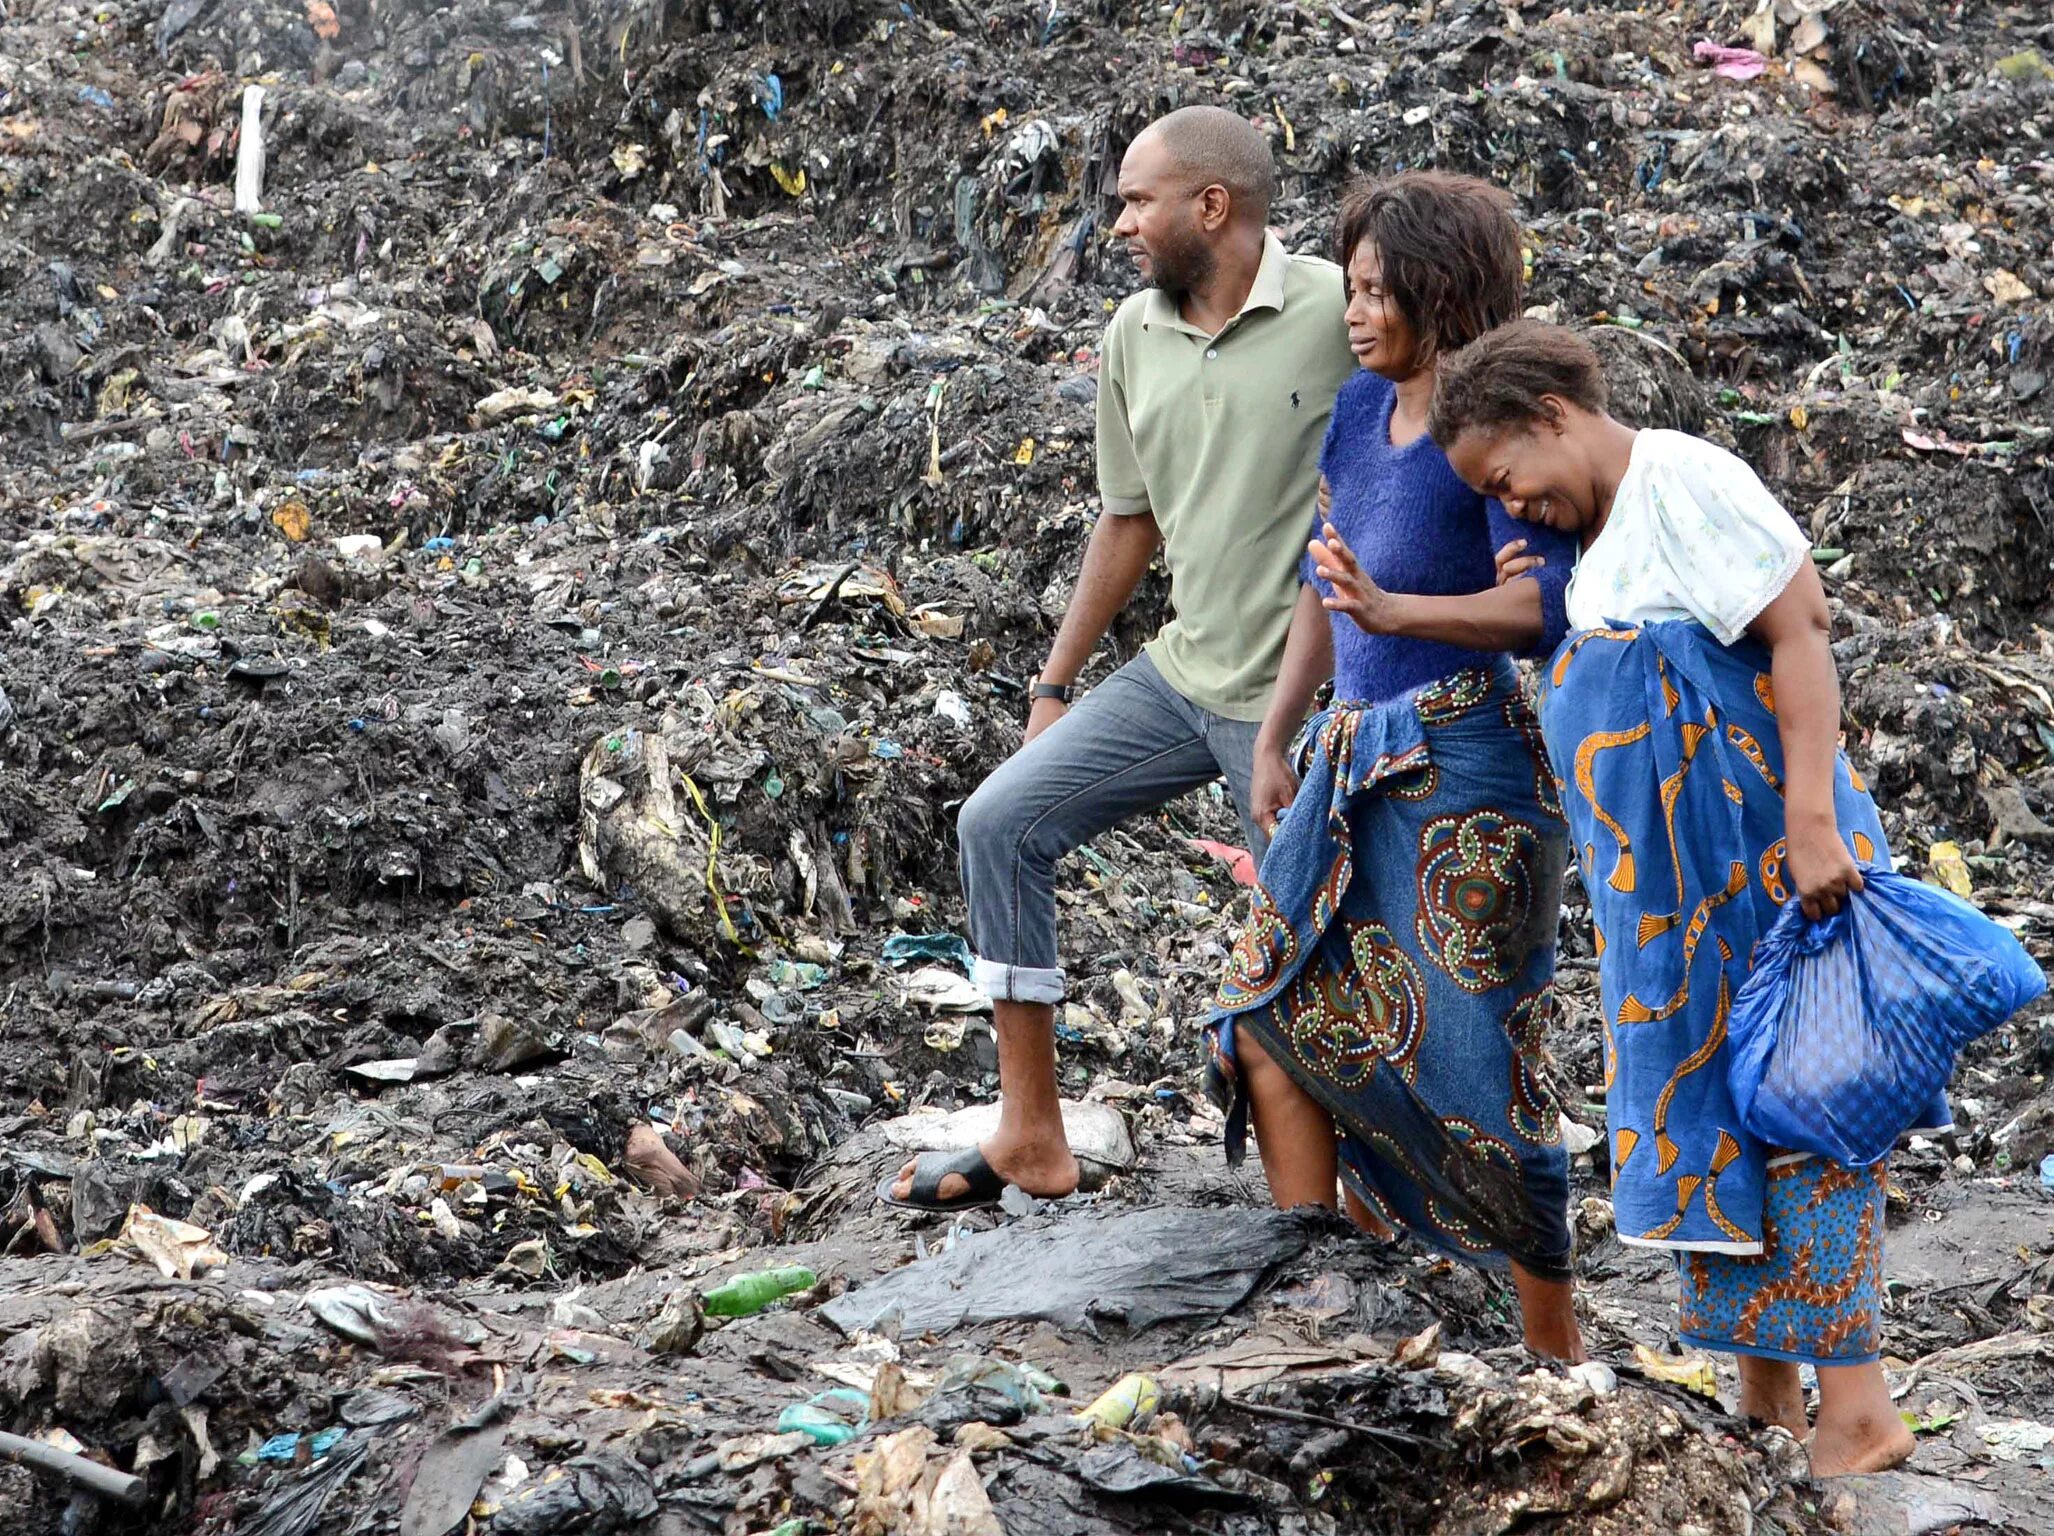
(527, 527)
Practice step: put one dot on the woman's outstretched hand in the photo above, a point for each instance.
(1354, 593)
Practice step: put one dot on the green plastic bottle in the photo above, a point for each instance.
(746, 1295)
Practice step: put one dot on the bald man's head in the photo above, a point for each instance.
(1211, 146)
(1194, 183)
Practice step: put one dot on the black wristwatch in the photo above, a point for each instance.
(1060, 692)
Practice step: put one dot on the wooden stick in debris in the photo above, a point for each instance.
(249, 155)
(90, 1475)
(829, 597)
(1367, 1431)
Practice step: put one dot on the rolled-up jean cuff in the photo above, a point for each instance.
(1018, 983)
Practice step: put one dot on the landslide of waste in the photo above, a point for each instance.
(497, 638)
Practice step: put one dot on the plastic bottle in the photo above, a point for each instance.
(746, 1295)
(1128, 1403)
(833, 1417)
(1002, 1377)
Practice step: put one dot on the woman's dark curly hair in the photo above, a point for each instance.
(1497, 381)
(1450, 252)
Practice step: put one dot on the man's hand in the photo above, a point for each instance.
(1271, 788)
(1821, 869)
(1045, 713)
(1514, 562)
(1368, 604)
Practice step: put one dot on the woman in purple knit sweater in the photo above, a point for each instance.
(1383, 1015)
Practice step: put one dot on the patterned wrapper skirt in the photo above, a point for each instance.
(1815, 1291)
(1399, 965)
(1667, 748)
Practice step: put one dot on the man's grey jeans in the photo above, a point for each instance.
(1132, 744)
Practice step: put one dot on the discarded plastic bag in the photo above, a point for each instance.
(179, 1249)
(367, 1316)
(904, 948)
(1239, 861)
(1733, 63)
(1848, 1027)
(943, 991)
(1123, 1468)
(1134, 1267)
(294, 1507)
(631, 828)
(900, 1489)
(600, 1492)
(454, 1468)
(976, 1389)
(650, 1161)
(2016, 1439)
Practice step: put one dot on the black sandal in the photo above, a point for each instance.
(985, 1185)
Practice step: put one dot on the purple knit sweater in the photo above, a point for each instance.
(1417, 528)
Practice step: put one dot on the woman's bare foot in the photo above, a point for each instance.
(1372, 1224)
(1859, 1428)
(1547, 1315)
(1791, 1420)
(1771, 1393)
(1863, 1448)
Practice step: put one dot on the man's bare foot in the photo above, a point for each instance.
(1863, 1444)
(1046, 1170)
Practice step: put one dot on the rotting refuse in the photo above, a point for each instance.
(499, 624)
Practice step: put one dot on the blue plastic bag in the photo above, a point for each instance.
(1847, 1027)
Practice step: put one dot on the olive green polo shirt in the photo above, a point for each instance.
(1219, 437)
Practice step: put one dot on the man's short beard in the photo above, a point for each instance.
(1184, 265)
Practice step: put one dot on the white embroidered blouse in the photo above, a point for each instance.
(1694, 534)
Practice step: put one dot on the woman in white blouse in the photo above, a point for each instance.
(1693, 717)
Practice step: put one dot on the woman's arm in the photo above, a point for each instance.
(1308, 662)
(1797, 630)
(1507, 618)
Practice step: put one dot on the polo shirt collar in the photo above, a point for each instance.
(1266, 292)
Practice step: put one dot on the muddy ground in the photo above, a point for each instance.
(496, 639)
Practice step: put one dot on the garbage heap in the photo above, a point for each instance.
(523, 525)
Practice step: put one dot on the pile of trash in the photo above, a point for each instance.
(526, 525)
(890, 1406)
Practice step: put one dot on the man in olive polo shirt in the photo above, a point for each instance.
(1214, 390)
